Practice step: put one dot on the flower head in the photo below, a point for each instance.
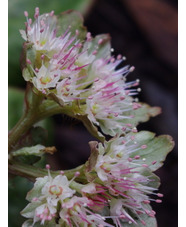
(125, 178)
(58, 64)
(47, 194)
(77, 211)
(110, 103)
(42, 32)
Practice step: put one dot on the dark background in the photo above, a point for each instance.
(145, 31)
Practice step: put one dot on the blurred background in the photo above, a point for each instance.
(145, 31)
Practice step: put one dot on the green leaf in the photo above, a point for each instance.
(27, 223)
(29, 155)
(36, 190)
(142, 114)
(26, 74)
(34, 150)
(150, 222)
(15, 106)
(157, 148)
(29, 210)
(73, 19)
(103, 49)
(154, 179)
(51, 223)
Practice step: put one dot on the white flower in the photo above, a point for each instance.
(46, 78)
(56, 189)
(42, 32)
(77, 211)
(47, 193)
(110, 103)
(70, 89)
(125, 177)
(89, 188)
(45, 212)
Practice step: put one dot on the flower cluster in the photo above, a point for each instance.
(116, 191)
(110, 100)
(57, 61)
(72, 69)
(125, 179)
(52, 200)
(114, 186)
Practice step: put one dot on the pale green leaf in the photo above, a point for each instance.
(29, 210)
(142, 114)
(34, 150)
(36, 191)
(26, 74)
(29, 223)
(157, 148)
(154, 180)
(73, 19)
(150, 222)
(103, 49)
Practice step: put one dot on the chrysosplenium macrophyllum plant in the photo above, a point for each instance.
(70, 72)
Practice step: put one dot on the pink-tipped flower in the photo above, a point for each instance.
(125, 179)
(110, 101)
(59, 60)
(42, 33)
(45, 78)
(98, 196)
(77, 211)
(44, 212)
(45, 196)
(70, 89)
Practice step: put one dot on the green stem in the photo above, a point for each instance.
(32, 172)
(76, 186)
(29, 118)
(27, 171)
(23, 125)
(36, 111)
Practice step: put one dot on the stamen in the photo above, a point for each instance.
(144, 146)
(100, 41)
(28, 61)
(47, 166)
(26, 13)
(52, 13)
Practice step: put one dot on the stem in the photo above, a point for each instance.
(76, 186)
(32, 172)
(23, 125)
(37, 110)
(27, 120)
(27, 171)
